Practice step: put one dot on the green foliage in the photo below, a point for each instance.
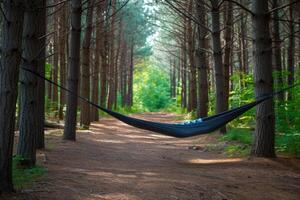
(137, 27)
(241, 135)
(287, 116)
(151, 88)
(288, 124)
(241, 139)
(24, 177)
(288, 144)
(242, 93)
(237, 150)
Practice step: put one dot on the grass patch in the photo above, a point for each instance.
(288, 144)
(25, 177)
(237, 150)
(240, 139)
(241, 135)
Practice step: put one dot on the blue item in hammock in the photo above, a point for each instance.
(192, 121)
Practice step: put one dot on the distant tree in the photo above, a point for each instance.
(85, 65)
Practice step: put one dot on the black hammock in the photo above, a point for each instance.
(179, 130)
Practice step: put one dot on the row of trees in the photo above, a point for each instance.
(90, 47)
(212, 40)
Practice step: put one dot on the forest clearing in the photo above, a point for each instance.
(149, 99)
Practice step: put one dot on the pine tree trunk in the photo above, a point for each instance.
(96, 70)
(130, 77)
(184, 66)
(85, 67)
(264, 135)
(192, 66)
(29, 100)
(277, 48)
(104, 60)
(111, 91)
(54, 95)
(291, 51)
(73, 71)
(123, 70)
(117, 69)
(218, 63)
(40, 138)
(62, 58)
(227, 53)
(201, 62)
(9, 70)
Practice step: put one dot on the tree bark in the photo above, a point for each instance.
(192, 66)
(40, 138)
(104, 58)
(62, 58)
(228, 51)
(73, 71)
(291, 51)
(54, 95)
(96, 70)
(12, 27)
(264, 135)
(184, 66)
(33, 47)
(277, 48)
(218, 63)
(85, 67)
(130, 77)
(201, 62)
(111, 91)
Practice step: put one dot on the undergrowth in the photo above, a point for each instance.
(240, 141)
(25, 177)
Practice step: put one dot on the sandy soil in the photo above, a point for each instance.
(113, 161)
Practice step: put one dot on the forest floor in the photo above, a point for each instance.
(113, 161)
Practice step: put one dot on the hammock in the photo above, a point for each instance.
(178, 130)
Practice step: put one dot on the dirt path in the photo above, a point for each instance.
(113, 161)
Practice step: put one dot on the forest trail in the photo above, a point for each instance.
(113, 161)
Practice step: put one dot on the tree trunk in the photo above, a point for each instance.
(40, 138)
(85, 67)
(29, 100)
(73, 71)
(62, 58)
(104, 59)
(9, 70)
(291, 51)
(277, 48)
(123, 71)
(54, 95)
(218, 63)
(192, 66)
(111, 91)
(201, 62)
(264, 135)
(184, 66)
(117, 69)
(227, 53)
(130, 77)
(95, 81)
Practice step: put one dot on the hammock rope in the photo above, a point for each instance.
(178, 130)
